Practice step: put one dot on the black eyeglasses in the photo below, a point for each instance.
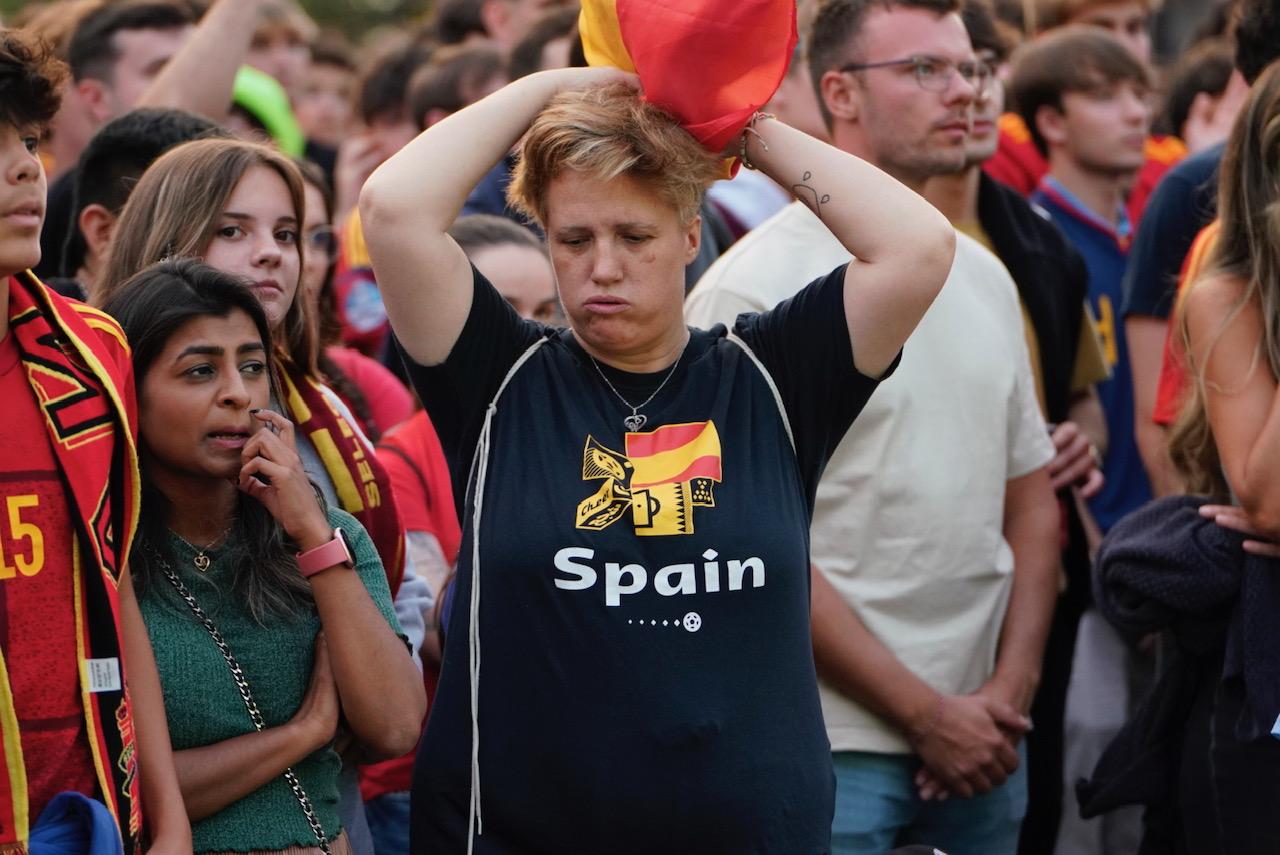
(322, 240)
(934, 73)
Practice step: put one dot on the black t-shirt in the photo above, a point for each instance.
(59, 215)
(646, 681)
(1183, 203)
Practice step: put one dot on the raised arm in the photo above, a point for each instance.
(409, 203)
(201, 75)
(902, 246)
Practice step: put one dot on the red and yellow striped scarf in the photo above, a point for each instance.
(84, 386)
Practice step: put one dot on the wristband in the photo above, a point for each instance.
(324, 556)
(751, 129)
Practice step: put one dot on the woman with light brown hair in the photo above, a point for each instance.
(1226, 443)
(636, 494)
(239, 206)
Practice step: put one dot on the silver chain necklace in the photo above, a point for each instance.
(637, 419)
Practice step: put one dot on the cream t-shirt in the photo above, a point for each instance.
(909, 517)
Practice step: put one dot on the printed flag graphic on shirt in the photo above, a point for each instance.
(710, 63)
(661, 477)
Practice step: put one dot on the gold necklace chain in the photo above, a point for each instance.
(201, 560)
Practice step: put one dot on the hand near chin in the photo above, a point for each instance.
(271, 472)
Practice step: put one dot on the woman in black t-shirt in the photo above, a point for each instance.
(636, 493)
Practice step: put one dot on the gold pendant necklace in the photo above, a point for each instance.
(201, 560)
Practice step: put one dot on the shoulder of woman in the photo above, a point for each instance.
(1215, 293)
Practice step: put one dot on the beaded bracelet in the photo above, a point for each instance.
(751, 129)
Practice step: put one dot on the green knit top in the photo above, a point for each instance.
(203, 705)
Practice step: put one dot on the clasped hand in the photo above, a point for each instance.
(970, 747)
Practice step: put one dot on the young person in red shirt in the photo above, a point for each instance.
(80, 702)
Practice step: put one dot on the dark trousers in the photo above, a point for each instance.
(1045, 741)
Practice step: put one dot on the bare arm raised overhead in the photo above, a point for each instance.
(409, 203)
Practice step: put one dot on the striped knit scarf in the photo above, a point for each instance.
(86, 394)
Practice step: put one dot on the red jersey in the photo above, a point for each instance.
(420, 479)
(1173, 369)
(1018, 163)
(37, 614)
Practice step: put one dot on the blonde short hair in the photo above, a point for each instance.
(606, 132)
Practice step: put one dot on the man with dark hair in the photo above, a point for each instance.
(1183, 204)
(927, 635)
(454, 77)
(114, 52)
(119, 48)
(325, 100)
(81, 704)
(383, 101)
(1019, 163)
(109, 168)
(1086, 101)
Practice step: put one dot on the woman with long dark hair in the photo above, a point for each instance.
(268, 610)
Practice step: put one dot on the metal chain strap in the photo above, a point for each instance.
(245, 695)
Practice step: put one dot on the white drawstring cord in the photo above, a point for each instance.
(480, 466)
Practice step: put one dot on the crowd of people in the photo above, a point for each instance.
(444, 444)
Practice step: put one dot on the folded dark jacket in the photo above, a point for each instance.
(1166, 567)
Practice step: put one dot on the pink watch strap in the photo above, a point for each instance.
(326, 555)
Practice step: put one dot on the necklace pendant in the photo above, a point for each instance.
(635, 421)
(201, 561)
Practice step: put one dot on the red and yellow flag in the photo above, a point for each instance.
(674, 454)
(710, 63)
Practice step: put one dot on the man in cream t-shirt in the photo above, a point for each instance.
(935, 530)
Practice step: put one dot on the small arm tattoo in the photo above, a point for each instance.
(810, 196)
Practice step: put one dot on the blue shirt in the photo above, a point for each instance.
(1105, 250)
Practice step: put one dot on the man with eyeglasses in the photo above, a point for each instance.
(935, 534)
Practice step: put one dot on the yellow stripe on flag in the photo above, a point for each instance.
(663, 466)
(602, 36)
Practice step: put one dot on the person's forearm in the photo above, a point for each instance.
(859, 666)
(1031, 527)
(215, 776)
(902, 246)
(876, 217)
(1146, 338)
(1085, 410)
(167, 824)
(381, 690)
(201, 75)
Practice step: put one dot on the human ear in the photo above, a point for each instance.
(840, 96)
(693, 238)
(96, 225)
(1051, 122)
(96, 99)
